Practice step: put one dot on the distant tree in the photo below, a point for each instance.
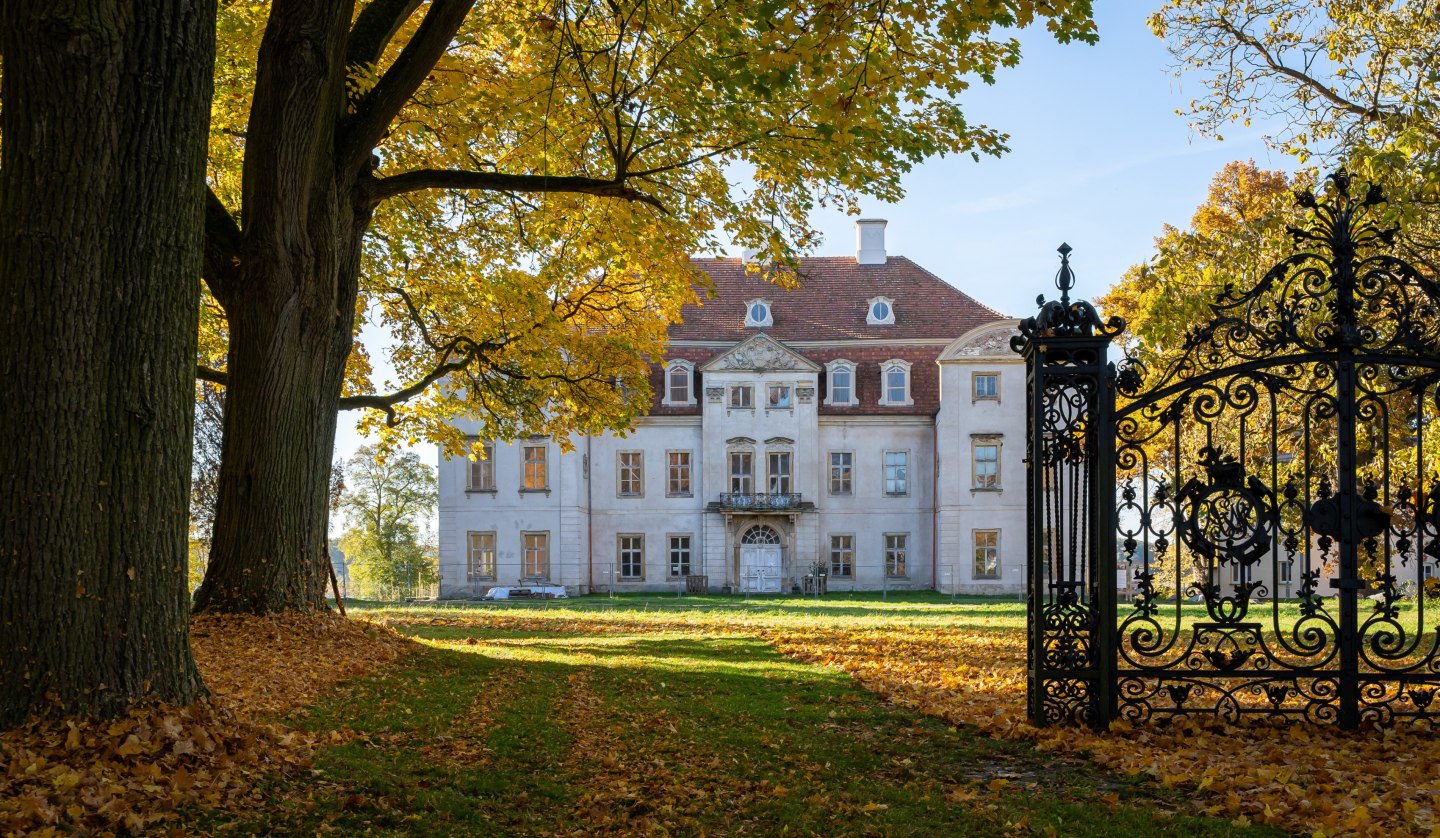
(104, 111)
(385, 497)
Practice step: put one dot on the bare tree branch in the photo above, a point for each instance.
(388, 187)
(1276, 65)
(211, 375)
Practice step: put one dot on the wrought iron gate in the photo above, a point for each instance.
(1268, 504)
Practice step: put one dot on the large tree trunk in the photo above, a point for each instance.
(290, 312)
(105, 114)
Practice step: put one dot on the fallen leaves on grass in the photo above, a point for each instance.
(137, 773)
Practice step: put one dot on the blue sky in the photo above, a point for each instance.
(1098, 159)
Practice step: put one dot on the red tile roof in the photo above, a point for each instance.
(831, 302)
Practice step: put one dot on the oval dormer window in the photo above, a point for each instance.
(757, 313)
(881, 313)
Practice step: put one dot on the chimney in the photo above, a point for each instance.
(870, 241)
(749, 255)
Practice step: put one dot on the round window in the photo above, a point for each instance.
(759, 312)
(880, 310)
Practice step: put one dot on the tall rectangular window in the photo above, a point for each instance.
(777, 396)
(481, 472)
(842, 384)
(986, 464)
(536, 476)
(677, 478)
(742, 472)
(678, 382)
(779, 472)
(1287, 570)
(535, 561)
(842, 555)
(897, 472)
(842, 472)
(987, 555)
(987, 385)
(632, 556)
(741, 396)
(679, 555)
(897, 553)
(481, 564)
(630, 474)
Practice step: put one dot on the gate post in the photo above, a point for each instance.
(1070, 502)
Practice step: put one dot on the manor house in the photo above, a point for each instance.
(867, 426)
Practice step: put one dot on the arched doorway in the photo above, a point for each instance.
(760, 560)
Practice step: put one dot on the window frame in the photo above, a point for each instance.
(671, 367)
(689, 548)
(975, 395)
(975, 560)
(901, 366)
(872, 320)
(885, 472)
(670, 471)
(849, 569)
(773, 387)
(525, 552)
(734, 390)
(900, 549)
(620, 473)
(788, 474)
(485, 465)
(849, 490)
(831, 369)
(543, 463)
(749, 475)
(754, 323)
(977, 442)
(471, 576)
(637, 557)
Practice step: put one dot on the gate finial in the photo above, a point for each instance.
(1065, 279)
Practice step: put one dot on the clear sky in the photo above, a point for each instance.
(1098, 159)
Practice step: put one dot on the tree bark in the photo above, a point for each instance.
(106, 107)
(291, 311)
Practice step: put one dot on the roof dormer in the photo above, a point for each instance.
(880, 311)
(758, 314)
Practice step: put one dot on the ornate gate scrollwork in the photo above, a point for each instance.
(1270, 500)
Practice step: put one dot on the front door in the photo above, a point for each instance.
(760, 568)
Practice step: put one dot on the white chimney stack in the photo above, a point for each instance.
(870, 241)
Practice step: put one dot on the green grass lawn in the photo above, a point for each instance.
(661, 731)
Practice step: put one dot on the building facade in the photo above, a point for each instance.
(866, 426)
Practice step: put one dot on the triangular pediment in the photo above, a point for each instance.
(760, 353)
(991, 340)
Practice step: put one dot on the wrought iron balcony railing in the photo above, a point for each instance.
(760, 500)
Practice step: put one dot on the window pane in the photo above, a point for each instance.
(778, 396)
(740, 395)
(897, 477)
(631, 474)
(987, 466)
(678, 480)
(535, 476)
(679, 555)
(842, 555)
(632, 556)
(679, 384)
(986, 386)
(987, 554)
(895, 385)
(840, 385)
(779, 471)
(896, 553)
(537, 555)
(742, 472)
(841, 472)
(482, 556)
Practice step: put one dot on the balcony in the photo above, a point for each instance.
(763, 502)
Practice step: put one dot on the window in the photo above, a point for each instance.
(986, 463)
(1237, 574)
(779, 472)
(1287, 569)
(677, 479)
(757, 313)
(881, 312)
(897, 472)
(842, 555)
(536, 559)
(741, 397)
(895, 383)
(987, 554)
(897, 551)
(630, 474)
(742, 472)
(842, 383)
(480, 476)
(778, 397)
(481, 564)
(678, 378)
(842, 472)
(536, 478)
(679, 555)
(632, 556)
(987, 385)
